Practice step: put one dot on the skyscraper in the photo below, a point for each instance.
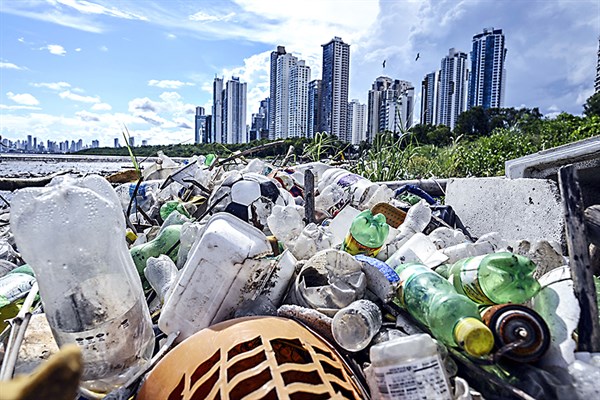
(234, 112)
(356, 121)
(285, 62)
(334, 88)
(488, 73)
(200, 126)
(217, 111)
(429, 98)
(298, 108)
(314, 107)
(259, 128)
(453, 85)
(273, 89)
(390, 106)
(597, 81)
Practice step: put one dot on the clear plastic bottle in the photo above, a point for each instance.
(354, 326)
(496, 278)
(452, 318)
(408, 368)
(71, 233)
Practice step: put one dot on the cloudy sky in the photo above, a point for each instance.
(74, 69)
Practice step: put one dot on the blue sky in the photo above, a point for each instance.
(74, 69)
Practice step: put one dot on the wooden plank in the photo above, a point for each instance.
(592, 223)
(309, 196)
(581, 270)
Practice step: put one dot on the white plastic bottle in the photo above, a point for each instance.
(72, 234)
(360, 189)
(354, 326)
(408, 368)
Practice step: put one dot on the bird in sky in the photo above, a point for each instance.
(418, 55)
(384, 63)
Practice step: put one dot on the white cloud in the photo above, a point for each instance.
(171, 36)
(88, 116)
(78, 49)
(25, 99)
(52, 85)
(10, 108)
(67, 94)
(21, 39)
(101, 107)
(201, 16)
(87, 7)
(168, 84)
(103, 48)
(55, 49)
(7, 65)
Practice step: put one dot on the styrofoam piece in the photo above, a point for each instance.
(214, 266)
(558, 306)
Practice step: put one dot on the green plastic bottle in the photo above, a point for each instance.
(497, 278)
(451, 317)
(170, 206)
(367, 234)
(167, 242)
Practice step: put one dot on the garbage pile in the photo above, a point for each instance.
(255, 281)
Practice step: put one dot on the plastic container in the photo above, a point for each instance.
(360, 189)
(354, 326)
(495, 278)
(367, 234)
(221, 272)
(452, 318)
(409, 368)
(71, 233)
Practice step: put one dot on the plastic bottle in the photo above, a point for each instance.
(452, 318)
(71, 233)
(360, 189)
(496, 278)
(367, 234)
(354, 326)
(409, 368)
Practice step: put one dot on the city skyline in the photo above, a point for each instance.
(92, 67)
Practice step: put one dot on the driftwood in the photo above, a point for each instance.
(11, 184)
(309, 196)
(579, 257)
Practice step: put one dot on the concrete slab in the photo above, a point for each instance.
(583, 154)
(516, 208)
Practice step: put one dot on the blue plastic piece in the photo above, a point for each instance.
(385, 269)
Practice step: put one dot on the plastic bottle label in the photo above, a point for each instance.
(348, 180)
(469, 279)
(417, 380)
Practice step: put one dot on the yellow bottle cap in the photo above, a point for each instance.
(131, 237)
(474, 337)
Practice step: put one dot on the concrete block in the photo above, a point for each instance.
(516, 208)
(583, 154)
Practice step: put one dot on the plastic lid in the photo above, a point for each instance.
(474, 337)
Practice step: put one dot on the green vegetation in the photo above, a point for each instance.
(480, 144)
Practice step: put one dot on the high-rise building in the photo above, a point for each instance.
(116, 143)
(429, 98)
(314, 107)
(390, 106)
(234, 112)
(144, 142)
(208, 128)
(258, 129)
(217, 111)
(273, 89)
(29, 143)
(131, 141)
(285, 62)
(95, 144)
(298, 100)
(597, 81)
(488, 73)
(200, 126)
(356, 121)
(453, 85)
(334, 89)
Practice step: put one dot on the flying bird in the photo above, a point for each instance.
(384, 63)
(418, 55)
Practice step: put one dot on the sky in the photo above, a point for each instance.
(73, 69)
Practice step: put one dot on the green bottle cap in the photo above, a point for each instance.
(368, 230)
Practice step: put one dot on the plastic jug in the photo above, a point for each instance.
(221, 271)
(71, 233)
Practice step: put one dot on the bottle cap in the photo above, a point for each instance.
(474, 337)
